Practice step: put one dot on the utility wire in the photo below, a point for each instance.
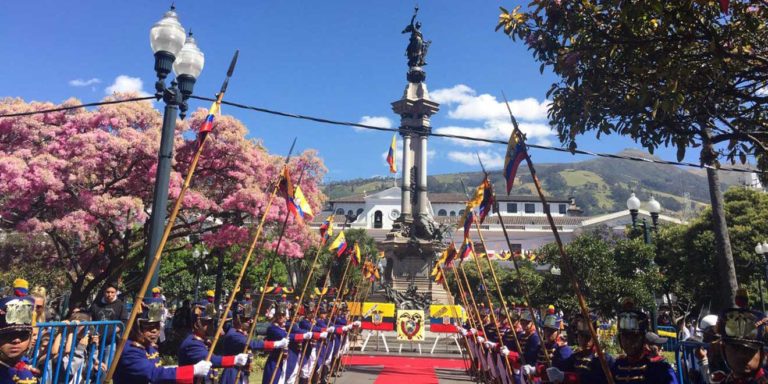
(477, 139)
(77, 106)
(373, 127)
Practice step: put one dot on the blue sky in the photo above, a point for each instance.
(341, 60)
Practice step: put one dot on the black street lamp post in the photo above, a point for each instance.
(633, 204)
(173, 51)
(762, 252)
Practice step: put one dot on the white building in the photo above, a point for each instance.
(523, 217)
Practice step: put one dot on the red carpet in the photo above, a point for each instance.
(410, 370)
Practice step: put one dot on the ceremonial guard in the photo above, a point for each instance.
(557, 349)
(195, 347)
(140, 362)
(297, 336)
(583, 367)
(530, 341)
(16, 317)
(276, 332)
(318, 327)
(636, 366)
(235, 340)
(742, 343)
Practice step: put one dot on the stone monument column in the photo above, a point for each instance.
(405, 204)
(421, 184)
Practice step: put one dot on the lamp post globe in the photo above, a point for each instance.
(633, 204)
(654, 207)
(188, 65)
(759, 249)
(166, 38)
(765, 247)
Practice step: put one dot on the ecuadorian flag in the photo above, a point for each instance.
(356, 258)
(326, 230)
(467, 249)
(339, 245)
(391, 155)
(516, 152)
(299, 206)
(208, 123)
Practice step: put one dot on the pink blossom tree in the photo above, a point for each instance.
(78, 184)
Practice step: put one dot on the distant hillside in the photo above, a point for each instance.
(599, 185)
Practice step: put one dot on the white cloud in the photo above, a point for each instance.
(491, 159)
(124, 83)
(376, 121)
(464, 103)
(84, 83)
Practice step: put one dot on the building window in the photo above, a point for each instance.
(530, 208)
(511, 207)
(453, 213)
(350, 213)
(378, 220)
(359, 211)
(340, 211)
(461, 212)
(442, 212)
(563, 209)
(516, 249)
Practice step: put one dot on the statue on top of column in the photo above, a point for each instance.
(417, 47)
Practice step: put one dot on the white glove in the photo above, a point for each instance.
(505, 351)
(323, 335)
(480, 339)
(241, 359)
(473, 331)
(529, 370)
(330, 329)
(281, 344)
(307, 335)
(201, 368)
(463, 331)
(346, 328)
(357, 324)
(555, 375)
(490, 344)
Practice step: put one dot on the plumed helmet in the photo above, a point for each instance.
(204, 311)
(632, 319)
(552, 320)
(152, 311)
(16, 314)
(743, 327)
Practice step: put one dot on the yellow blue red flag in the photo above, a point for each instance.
(207, 125)
(299, 206)
(516, 152)
(326, 230)
(339, 245)
(356, 258)
(391, 155)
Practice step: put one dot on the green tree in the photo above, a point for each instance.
(672, 73)
(687, 251)
(608, 268)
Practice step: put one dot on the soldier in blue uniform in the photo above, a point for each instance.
(235, 340)
(297, 336)
(16, 313)
(583, 366)
(308, 360)
(529, 340)
(636, 366)
(321, 349)
(195, 347)
(743, 343)
(140, 361)
(557, 349)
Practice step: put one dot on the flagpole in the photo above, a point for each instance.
(357, 297)
(333, 310)
(477, 325)
(314, 319)
(247, 260)
(295, 314)
(339, 299)
(503, 302)
(564, 258)
(168, 227)
(470, 320)
(453, 308)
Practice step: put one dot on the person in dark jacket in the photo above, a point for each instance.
(108, 306)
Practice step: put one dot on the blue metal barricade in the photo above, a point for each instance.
(67, 359)
(687, 365)
(671, 334)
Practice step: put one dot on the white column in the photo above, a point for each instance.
(405, 204)
(421, 184)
